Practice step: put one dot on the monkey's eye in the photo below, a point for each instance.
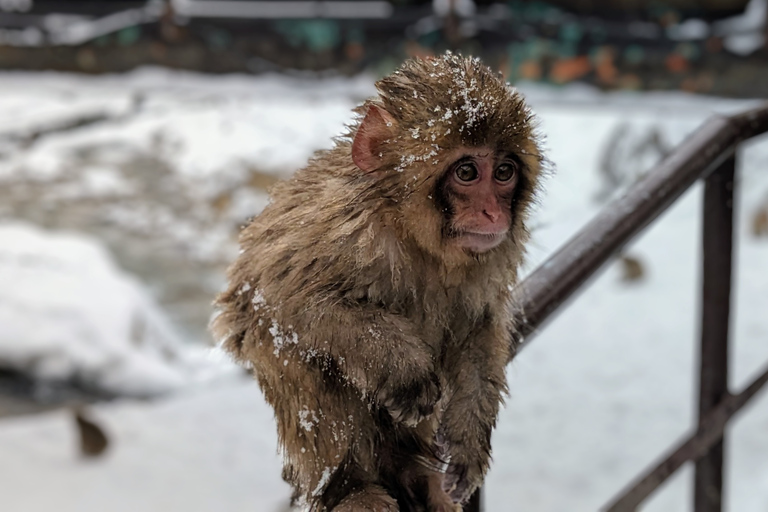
(466, 172)
(504, 172)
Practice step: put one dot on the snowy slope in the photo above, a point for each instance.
(599, 394)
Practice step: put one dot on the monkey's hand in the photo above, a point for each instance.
(410, 402)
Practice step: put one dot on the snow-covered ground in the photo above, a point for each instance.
(68, 314)
(601, 392)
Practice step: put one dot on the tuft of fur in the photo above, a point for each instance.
(373, 340)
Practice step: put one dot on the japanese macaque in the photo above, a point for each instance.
(760, 222)
(371, 296)
(93, 440)
(632, 268)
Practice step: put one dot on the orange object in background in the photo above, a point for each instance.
(605, 68)
(676, 63)
(354, 51)
(567, 70)
(530, 70)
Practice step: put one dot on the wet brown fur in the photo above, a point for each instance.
(370, 336)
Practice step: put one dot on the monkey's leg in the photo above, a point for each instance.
(325, 430)
(478, 381)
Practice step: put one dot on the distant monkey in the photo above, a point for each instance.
(371, 296)
(93, 440)
(632, 269)
(760, 222)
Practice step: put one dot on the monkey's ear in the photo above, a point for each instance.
(377, 126)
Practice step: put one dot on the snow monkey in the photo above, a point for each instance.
(371, 295)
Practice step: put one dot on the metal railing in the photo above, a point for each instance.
(708, 154)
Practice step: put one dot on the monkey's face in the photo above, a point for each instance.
(476, 196)
(454, 151)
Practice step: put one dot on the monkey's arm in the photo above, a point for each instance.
(377, 352)
(478, 383)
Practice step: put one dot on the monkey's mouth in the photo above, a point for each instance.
(479, 242)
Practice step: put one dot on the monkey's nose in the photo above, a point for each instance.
(493, 215)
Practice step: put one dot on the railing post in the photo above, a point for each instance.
(475, 502)
(715, 312)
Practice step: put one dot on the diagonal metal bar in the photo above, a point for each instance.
(553, 283)
(550, 286)
(692, 449)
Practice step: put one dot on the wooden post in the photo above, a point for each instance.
(715, 312)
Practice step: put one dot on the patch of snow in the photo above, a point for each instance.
(280, 337)
(690, 29)
(752, 19)
(68, 313)
(258, 299)
(744, 44)
(324, 478)
(212, 124)
(214, 449)
(307, 419)
(463, 8)
(744, 34)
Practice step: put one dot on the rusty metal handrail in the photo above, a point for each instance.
(547, 288)
(693, 448)
(708, 154)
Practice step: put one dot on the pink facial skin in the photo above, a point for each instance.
(481, 185)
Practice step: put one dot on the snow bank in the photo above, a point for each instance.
(67, 313)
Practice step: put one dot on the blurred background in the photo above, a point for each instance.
(136, 137)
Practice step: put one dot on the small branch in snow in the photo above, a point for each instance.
(24, 141)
